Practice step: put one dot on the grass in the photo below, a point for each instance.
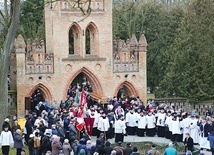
(13, 151)
(144, 147)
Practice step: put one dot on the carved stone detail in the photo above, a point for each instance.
(37, 61)
(71, 5)
(126, 55)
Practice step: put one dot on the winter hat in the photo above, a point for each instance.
(18, 131)
(66, 141)
(7, 120)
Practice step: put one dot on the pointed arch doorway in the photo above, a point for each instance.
(125, 90)
(38, 93)
(83, 79)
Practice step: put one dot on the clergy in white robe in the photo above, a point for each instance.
(150, 124)
(120, 129)
(96, 116)
(194, 130)
(141, 126)
(103, 124)
(176, 131)
(131, 122)
(186, 126)
(161, 123)
(168, 126)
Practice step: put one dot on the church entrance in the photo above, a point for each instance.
(122, 93)
(80, 83)
(85, 80)
(36, 97)
(38, 93)
(125, 90)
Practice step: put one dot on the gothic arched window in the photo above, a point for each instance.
(74, 39)
(91, 42)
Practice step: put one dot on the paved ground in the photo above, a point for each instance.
(151, 139)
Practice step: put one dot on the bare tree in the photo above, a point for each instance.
(9, 21)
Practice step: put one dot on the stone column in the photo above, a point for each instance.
(142, 67)
(20, 62)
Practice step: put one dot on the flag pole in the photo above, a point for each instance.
(104, 131)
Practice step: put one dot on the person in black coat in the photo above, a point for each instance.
(128, 150)
(110, 133)
(28, 129)
(108, 148)
(188, 142)
(45, 145)
(100, 147)
(135, 151)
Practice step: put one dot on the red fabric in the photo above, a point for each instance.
(80, 121)
(82, 101)
(89, 125)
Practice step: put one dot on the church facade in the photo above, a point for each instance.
(107, 64)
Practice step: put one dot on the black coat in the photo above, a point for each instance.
(108, 150)
(46, 145)
(188, 144)
(127, 151)
(204, 129)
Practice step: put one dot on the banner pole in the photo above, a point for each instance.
(78, 136)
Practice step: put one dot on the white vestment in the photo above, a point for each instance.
(194, 131)
(103, 124)
(176, 127)
(161, 119)
(120, 126)
(141, 122)
(96, 119)
(186, 126)
(168, 122)
(131, 119)
(150, 121)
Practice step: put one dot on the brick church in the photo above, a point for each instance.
(82, 50)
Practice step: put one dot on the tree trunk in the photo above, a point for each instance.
(5, 58)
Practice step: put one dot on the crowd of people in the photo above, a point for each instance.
(52, 128)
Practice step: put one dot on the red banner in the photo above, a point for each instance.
(80, 121)
(89, 125)
(82, 101)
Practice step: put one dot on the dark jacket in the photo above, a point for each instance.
(108, 150)
(46, 145)
(100, 149)
(17, 140)
(135, 153)
(211, 140)
(127, 150)
(60, 132)
(188, 144)
(72, 132)
(204, 129)
(28, 127)
(74, 148)
(80, 147)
